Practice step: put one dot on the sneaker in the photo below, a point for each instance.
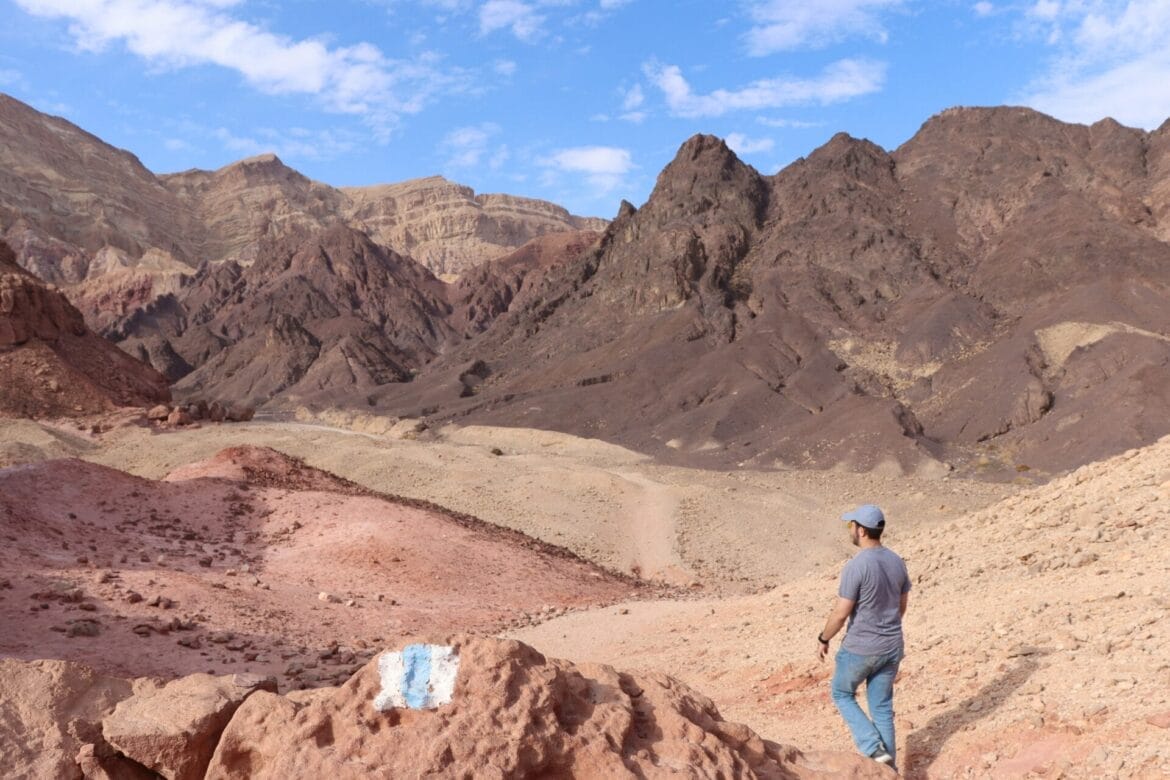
(882, 757)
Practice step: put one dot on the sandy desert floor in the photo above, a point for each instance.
(1036, 638)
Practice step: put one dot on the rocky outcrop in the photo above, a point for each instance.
(52, 364)
(511, 713)
(50, 709)
(174, 729)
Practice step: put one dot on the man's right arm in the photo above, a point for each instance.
(902, 604)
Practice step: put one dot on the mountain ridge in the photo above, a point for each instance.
(66, 234)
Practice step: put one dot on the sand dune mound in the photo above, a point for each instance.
(488, 708)
(254, 562)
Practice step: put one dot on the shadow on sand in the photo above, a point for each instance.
(925, 743)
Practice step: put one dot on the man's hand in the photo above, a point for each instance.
(842, 609)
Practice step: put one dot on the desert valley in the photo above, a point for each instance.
(258, 433)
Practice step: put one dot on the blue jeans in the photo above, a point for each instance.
(872, 732)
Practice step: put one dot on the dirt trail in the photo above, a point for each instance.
(653, 530)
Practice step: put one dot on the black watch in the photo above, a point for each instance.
(822, 640)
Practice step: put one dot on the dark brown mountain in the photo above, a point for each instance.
(490, 289)
(51, 364)
(327, 316)
(994, 292)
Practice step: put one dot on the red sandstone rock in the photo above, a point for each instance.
(159, 412)
(1161, 720)
(179, 416)
(514, 713)
(48, 709)
(174, 729)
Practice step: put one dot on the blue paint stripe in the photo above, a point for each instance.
(416, 675)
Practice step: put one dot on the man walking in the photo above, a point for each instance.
(872, 597)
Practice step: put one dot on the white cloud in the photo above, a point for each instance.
(604, 167)
(741, 144)
(521, 18)
(983, 8)
(465, 147)
(634, 97)
(840, 81)
(357, 79)
(176, 145)
(504, 67)
(11, 78)
(290, 146)
(1111, 59)
(784, 25)
(786, 123)
(632, 102)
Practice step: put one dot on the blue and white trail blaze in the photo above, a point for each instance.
(421, 677)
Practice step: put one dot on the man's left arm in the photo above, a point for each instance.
(842, 609)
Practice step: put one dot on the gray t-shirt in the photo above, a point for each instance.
(875, 578)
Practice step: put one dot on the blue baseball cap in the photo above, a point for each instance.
(866, 515)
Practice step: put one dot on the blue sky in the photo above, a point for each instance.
(581, 102)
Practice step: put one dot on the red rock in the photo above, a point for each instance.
(174, 729)
(179, 416)
(48, 710)
(51, 363)
(1161, 720)
(514, 713)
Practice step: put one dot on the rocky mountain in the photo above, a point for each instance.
(992, 292)
(51, 364)
(75, 208)
(326, 315)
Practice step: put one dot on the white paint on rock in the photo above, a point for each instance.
(420, 677)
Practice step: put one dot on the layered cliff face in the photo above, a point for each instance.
(75, 208)
(450, 229)
(67, 198)
(51, 364)
(250, 201)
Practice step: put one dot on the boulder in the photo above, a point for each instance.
(102, 762)
(240, 413)
(160, 412)
(49, 710)
(216, 412)
(510, 712)
(179, 416)
(174, 729)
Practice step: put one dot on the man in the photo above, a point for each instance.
(872, 597)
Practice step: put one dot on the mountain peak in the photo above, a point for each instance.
(705, 173)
